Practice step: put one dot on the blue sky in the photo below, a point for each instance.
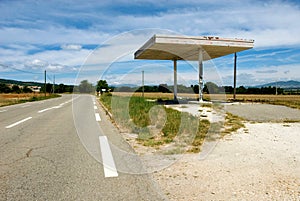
(93, 40)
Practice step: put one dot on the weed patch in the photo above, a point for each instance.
(155, 124)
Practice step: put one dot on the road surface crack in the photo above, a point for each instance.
(29, 152)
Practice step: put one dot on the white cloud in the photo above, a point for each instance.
(36, 63)
(272, 24)
(266, 71)
(71, 47)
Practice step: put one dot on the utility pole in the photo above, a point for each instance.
(53, 88)
(143, 90)
(45, 83)
(234, 77)
(276, 93)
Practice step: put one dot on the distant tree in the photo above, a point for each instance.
(195, 88)
(68, 88)
(49, 88)
(61, 88)
(101, 84)
(26, 89)
(211, 88)
(228, 89)
(163, 88)
(85, 87)
(4, 88)
(16, 89)
(75, 89)
(184, 89)
(241, 90)
(280, 91)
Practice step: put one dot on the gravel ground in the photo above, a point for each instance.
(261, 162)
(263, 112)
(258, 162)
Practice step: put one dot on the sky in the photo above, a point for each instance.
(93, 40)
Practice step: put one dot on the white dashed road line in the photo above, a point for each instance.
(3, 111)
(55, 107)
(109, 166)
(21, 121)
(97, 115)
(95, 107)
(44, 110)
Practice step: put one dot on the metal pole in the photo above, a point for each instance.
(276, 93)
(175, 79)
(143, 90)
(53, 84)
(234, 77)
(45, 83)
(200, 75)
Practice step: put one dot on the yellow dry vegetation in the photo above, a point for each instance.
(287, 100)
(13, 98)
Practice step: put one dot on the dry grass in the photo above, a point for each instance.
(265, 97)
(287, 100)
(155, 95)
(10, 99)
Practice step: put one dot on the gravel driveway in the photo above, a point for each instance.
(263, 112)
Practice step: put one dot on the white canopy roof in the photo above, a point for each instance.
(172, 47)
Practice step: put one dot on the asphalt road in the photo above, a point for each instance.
(66, 149)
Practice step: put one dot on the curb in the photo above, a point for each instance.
(106, 110)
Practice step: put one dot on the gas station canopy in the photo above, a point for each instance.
(191, 48)
(171, 47)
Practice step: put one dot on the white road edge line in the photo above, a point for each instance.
(3, 110)
(97, 115)
(109, 166)
(14, 124)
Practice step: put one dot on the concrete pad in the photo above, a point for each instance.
(264, 112)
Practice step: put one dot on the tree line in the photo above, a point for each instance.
(4, 88)
(209, 88)
(102, 86)
(58, 88)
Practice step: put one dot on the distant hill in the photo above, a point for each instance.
(5, 81)
(291, 84)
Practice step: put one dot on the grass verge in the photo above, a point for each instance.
(157, 126)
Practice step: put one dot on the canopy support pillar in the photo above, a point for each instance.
(234, 77)
(175, 79)
(200, 60)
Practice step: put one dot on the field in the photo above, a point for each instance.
(10, 99)
(287, 100)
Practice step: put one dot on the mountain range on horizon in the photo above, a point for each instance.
(291, 84)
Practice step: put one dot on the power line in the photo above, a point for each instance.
(23, 71)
